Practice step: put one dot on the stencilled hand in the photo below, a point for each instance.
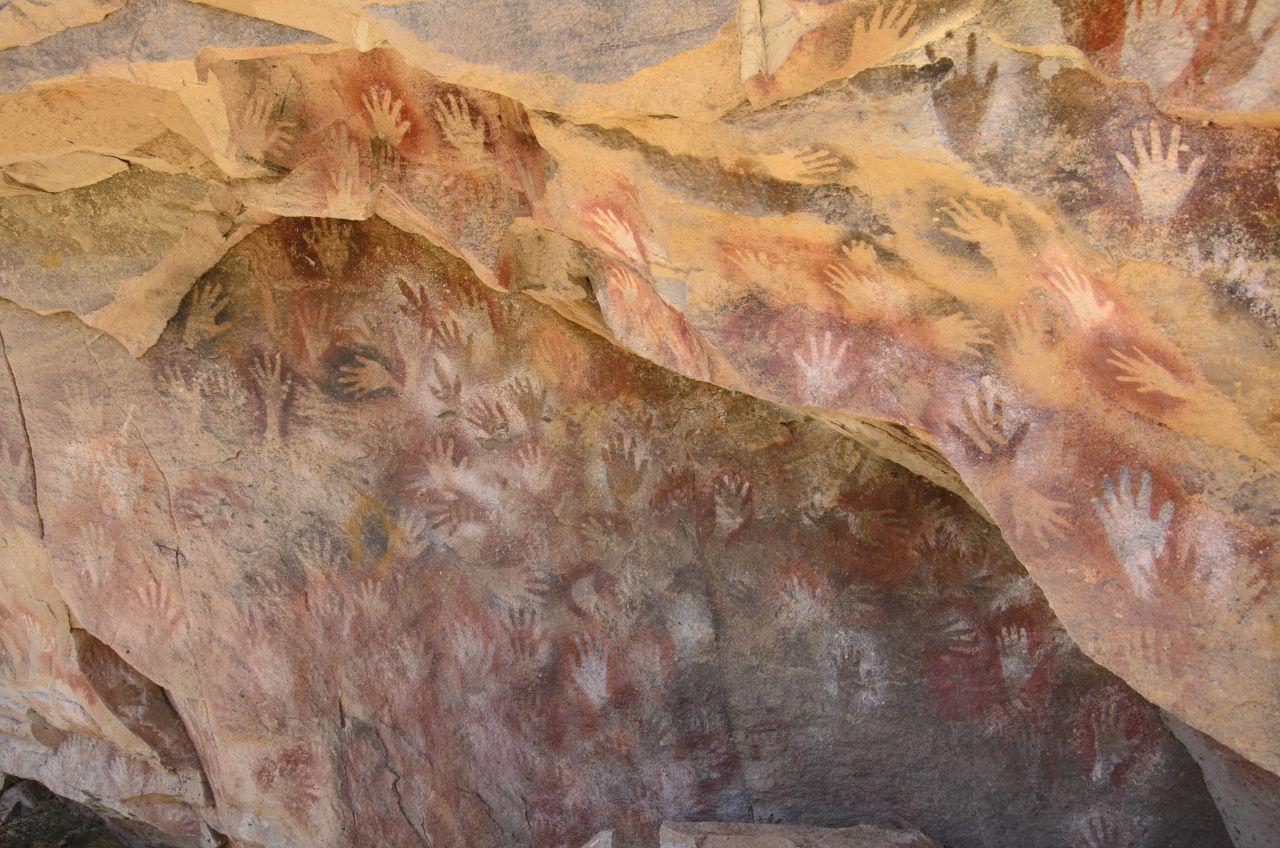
(854, 658)
(1089, 307)
(329, 608)
(1038, 519)
(445, 387)
(993, 235)
(385, 115)
(446, 465)
(1147, 376)
(1099, 831)
(202, 324)
(465, 133)
(1016, 660)
(534, 467)
(620, 235)
(1027, 334)
(530, 397)
(274, 383)
(472, 648)
(733, 502)
(860, 256)
(260, 135)
(1155, 649)
(515, 588)
(318, 554)
(1234, 579)
(1158, 42)
(880, 36)
(754, 265)
(388, 164)
(983, 426)
(590, 669)
(410, 537)
(1158, 177)
(624, 467)
(417, 303)
(344, 190)
(559, 354)
(448, 333)
(462, 523)
(345, 193)
(490, 418)
(958, 334)
(366, 376)
(1111, 742)
(849, 282)
(526, 634)
(1228, 50)
(962, 99)
(156, 599)
(1032, 352)
(1137, 536)
(821, 366)
(370, 600)
(97, 554)
(804, 165)
(328, 241)
(877, 527)
(800, 604)
(317, 320)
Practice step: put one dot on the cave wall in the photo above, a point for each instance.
(491, 423)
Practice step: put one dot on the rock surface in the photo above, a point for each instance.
(733, 835)
(33, 817)
(488, 423)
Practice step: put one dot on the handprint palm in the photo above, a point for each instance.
(1137, 537)
(1089, 307)
(1158, 42)
(620, 235)
(460, 129)
(821, 366)
(962, 100)
(1161, 183)
(1112, 744)
(385, 115)
(260, 135)
(880, 36)
(958, 334)
(202, 324)
(993, 235)
(1147, 375)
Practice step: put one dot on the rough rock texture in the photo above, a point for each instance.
(730, 835)
(33, 817)
(1248, 797)
(487, 423)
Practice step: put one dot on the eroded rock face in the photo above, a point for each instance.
(419, 561)
(731, 835)
(33, 817)
(418, 440)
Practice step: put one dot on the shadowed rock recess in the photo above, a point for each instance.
(431, 423)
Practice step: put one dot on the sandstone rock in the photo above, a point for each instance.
(512, 420)
(1247, 796)
(730, 835)
(32, 817)
(28, 21)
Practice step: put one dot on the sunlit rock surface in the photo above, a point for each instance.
(489, 424)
